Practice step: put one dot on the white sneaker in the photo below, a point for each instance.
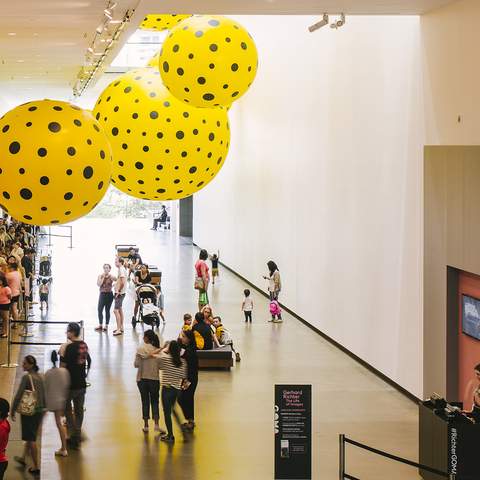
(145, 429)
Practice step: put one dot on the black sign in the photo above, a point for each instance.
(293, 432)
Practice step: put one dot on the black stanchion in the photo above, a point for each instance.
(343, 475)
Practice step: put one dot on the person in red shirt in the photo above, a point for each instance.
(4, 434)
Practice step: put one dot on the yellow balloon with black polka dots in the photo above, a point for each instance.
(55, 162)
(162, 148)
(159, 22)
(207, 61)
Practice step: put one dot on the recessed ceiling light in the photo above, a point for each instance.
(12, 34)
(20, 61)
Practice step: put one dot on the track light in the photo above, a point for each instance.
(108, 13)
(320, 24)
(100, 29)
(339, 23)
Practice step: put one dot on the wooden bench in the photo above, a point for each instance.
(216, 358)
(123, 251)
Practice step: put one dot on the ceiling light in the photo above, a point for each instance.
(100, 28)
(20, 61)
(11, 34)
(108, 13)
(339, 23)
(90, 50)
(320, 24)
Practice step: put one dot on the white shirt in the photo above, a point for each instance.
(247, 304)
(122, 273)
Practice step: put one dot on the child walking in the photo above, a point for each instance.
(275, 312)
(247, 306)
(214, 259)
(44, 289)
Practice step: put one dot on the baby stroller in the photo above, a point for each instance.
(148, 311)
(45, 270)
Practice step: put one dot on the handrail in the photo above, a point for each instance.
(343, 439)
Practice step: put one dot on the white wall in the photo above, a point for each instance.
(324, 176)
(450, 41)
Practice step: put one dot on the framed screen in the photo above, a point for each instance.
(471, 316)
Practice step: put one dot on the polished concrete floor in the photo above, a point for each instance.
(234, 438)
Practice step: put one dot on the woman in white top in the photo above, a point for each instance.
(274, 280)
(57, 384)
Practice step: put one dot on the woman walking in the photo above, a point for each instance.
(202, 279)
(57, 386)
(186, 400)
(174, 372)
(14, 279)
(148, 380)
(30, 397)
(5, 299)
(105, 299)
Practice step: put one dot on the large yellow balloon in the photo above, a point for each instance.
(159, 22)
(208, 61)
(162, 148)
(55, 162)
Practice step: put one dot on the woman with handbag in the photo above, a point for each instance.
(29, 402)
(202, 279)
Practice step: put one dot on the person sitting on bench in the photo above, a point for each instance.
(162, 218)
(134, 260)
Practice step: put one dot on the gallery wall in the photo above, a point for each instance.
(324, 176)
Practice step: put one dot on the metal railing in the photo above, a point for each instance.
(343, 475)
(50, 234)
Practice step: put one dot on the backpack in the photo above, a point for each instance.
(275, 308)
(77, 354)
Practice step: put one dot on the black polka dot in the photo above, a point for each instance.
(127, 89)
(249, 69)
(140, 182)
(124, 146)
(57, 108)
(176, 181)
(78, 123)
(88, 172)
(71, 151)
(214, 23)
(159, 167)
(152, 94)
(32, 109)
(97, 116)
(44, 180)
(159, 135)
(166, 67)
(100, 185)
(234, 94)
(201, 80)
(200, 184)
(116, 109)
(180, 71)
(28, 124)
(193, 169)
(211, 66)
(198, 33)
(139, 165)
(26, 194)
(68, 212)
(6, 195)
(161, 190)
(27, 217)
(55, 221)
(84, 204)
(187, 89)
(243, 45)
(208, 96)
(153, 115)
(234, 67)
(42, 152)
(54, 127)
(121, 163)
(21, 171)
(146, 148)
(68, 196)
(228, 39)
(122, 178)
(44, 209)
(102, 154)
(166, 104)
(5, 128)
(176, 48)
(195, 131)
(114, 131)
(14, 148)
(89, 141)
(135, 115)
(190, 56)
(69, 172)
(180, 135)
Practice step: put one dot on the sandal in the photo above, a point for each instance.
(34, 471)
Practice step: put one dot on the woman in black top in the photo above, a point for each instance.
(186, 400)
(142, 277)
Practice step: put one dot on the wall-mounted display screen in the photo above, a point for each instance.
(471, 316)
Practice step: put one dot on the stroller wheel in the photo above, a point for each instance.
(134, 322)
(157, 322)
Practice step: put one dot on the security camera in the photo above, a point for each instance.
(339, 23)
(320, 24)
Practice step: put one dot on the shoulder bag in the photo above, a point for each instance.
(28, 402)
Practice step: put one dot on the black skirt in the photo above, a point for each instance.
(30, 426)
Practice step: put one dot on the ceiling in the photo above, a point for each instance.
(43, 42)
(298, 7)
